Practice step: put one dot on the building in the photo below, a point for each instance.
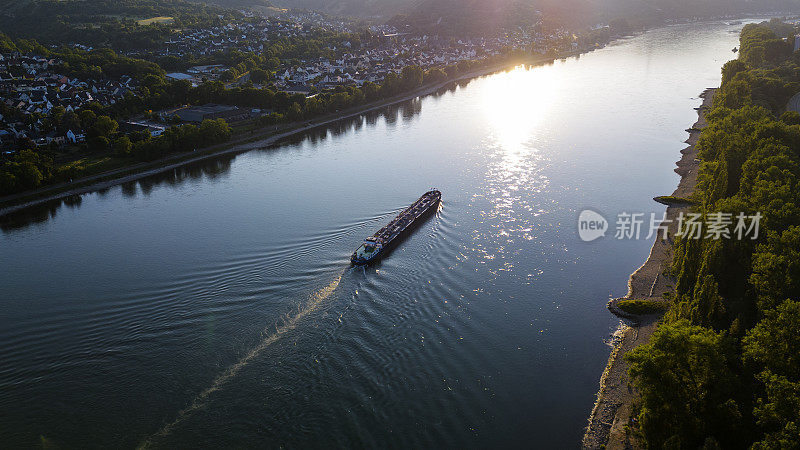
(180, 76)
(153, 129)
(211, 112)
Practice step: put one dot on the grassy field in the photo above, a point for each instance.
(152, 20)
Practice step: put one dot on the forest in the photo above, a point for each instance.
(106, 23)
(723, 370)
(478, 17)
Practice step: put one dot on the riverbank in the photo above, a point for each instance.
(270, 135)
(611, 415)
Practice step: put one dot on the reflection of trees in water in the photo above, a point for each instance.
(219, 166)
(129, 189)
(410, 109)
(390, 116)
(210, 169)
(372, 117)
(38, 214)
(146, 186)
(316, 136)
(448, 88)
(341, 127)
(73, 201)
(22, 219)
(407, 110)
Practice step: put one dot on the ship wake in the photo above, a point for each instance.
(272, 335)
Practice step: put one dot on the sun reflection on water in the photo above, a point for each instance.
(516, 102)
(516, 106)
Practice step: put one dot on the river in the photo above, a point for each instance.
(214, 305)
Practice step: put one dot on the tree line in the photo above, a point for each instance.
(158, 93)
(723, 371)
(31, 168)
(106, 22)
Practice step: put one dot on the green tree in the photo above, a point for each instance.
(435, 75)
(686, 379)
(411, 77)
(272, 64)
(776, 268)
(229, 75)
(295, 112)
(122, 145)
(391, 85)
(28, 175)
(259, 76)
(87, 118)
(773, 348)
(8, 181)
(99, 144)
(790, 118)
(104, 126)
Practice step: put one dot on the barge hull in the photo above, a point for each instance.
(386, 239)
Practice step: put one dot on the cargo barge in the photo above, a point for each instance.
(387, 237)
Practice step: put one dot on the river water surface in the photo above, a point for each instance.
(215, 306)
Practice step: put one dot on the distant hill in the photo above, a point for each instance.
(236, 4)
(480, 16)
(357, 8)
(566, 11)
(105, 22)
(471, 17)
(14, 7)
(653, 10)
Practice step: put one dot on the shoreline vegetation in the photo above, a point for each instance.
(720, 367)
(245, 141)
(612, 408)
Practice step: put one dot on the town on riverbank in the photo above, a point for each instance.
(75, 111)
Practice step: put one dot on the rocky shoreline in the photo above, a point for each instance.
(612, 410)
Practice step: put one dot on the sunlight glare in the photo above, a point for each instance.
(516, 102)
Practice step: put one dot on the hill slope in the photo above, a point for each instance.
(471, 17)
(583, 11)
